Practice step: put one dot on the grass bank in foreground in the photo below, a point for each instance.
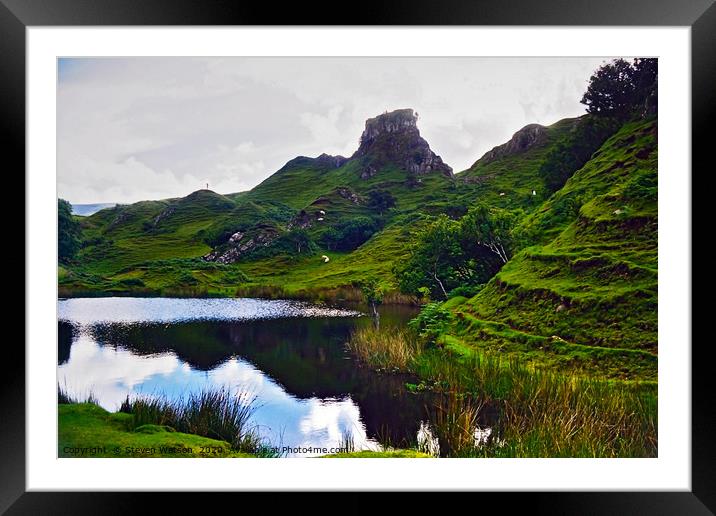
(205, 425)
(87, 430)
(540, 412)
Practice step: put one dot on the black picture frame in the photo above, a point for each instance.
(700, 15)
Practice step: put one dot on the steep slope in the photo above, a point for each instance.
(300, 181)
(586, 297)
(507, 175)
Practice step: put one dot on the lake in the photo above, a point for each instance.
(290, 355)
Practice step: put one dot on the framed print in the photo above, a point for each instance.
(444, 250)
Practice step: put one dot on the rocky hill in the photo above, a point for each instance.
(394, 139)
(326, 197)
(589, 245)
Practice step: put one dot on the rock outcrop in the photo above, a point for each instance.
(349, 195)
(242, 243)
(303, 220)
(331, 161)
(522, 140)
(394, 138)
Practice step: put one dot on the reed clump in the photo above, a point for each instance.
(541, 413)
(217, 414)
(388, 348)
(538, 412)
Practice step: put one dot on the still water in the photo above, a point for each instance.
(289, 355)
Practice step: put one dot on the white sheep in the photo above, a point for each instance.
(326, 259)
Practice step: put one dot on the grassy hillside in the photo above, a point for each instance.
(156, 246)
(515, 175)
(586, 296)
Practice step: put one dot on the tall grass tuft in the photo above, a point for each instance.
(64, 398)
(221, 415)
(217, 414)
(455, 423)
(389, 348)
(542, 413)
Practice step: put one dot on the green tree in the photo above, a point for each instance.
(68, 232)
(646, 72)
(620, 89)
(300, 239)
(458, 256)
(491, 230)
(432, 259)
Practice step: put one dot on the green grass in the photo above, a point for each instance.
(219, 414)
(86, 425)
(554, 353)
(212, 421)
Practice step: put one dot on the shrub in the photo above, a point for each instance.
(186, 278)
(68, 232)
(350, 234)
(465, 291)
(431, 322)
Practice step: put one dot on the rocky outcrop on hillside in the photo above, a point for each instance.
(527, 137)
(165, 213)
(242, 243)
(303, 220)
(349, 195)
(331, 161)
(394, 138)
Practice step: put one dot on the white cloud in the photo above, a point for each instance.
(151, 128)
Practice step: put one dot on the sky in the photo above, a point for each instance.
(131, 129)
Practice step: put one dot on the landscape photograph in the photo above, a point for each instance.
(384, 257)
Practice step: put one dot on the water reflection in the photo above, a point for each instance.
(289, 355)
(171, 310)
